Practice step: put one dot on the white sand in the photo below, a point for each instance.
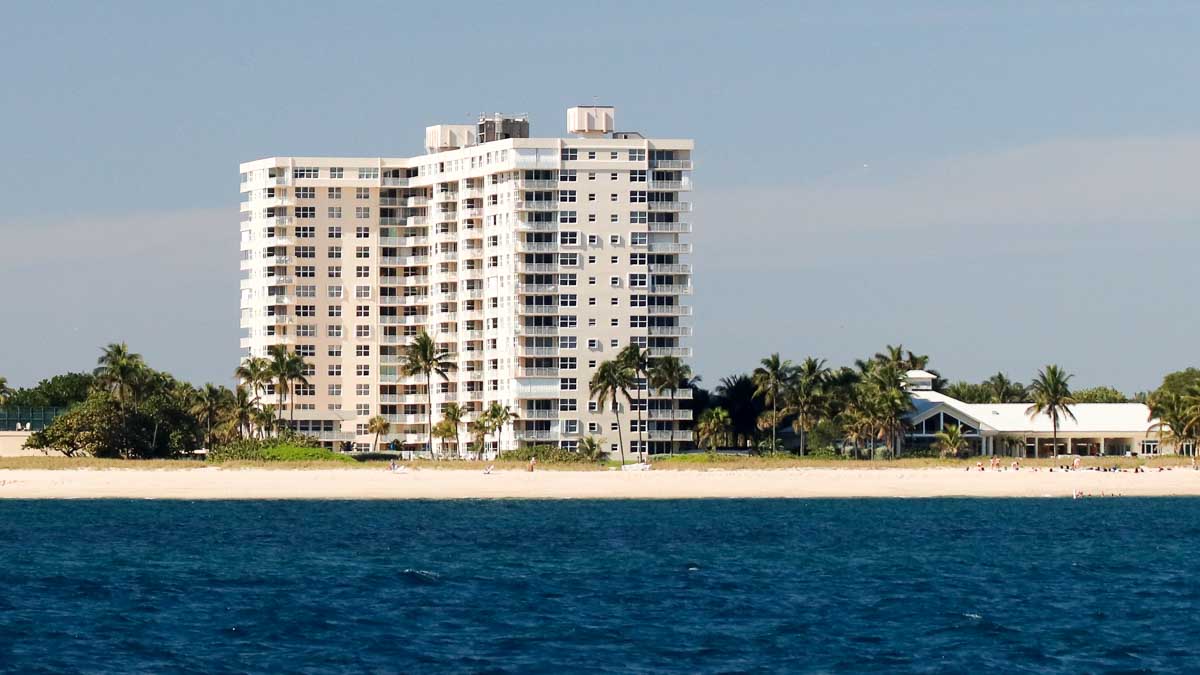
(213, 483)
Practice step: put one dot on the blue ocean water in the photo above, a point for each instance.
(943, 585)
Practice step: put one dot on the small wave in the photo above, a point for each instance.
(421, 576)
(974, 617)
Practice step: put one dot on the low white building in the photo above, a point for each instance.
(1008, 429)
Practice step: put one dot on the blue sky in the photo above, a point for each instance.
(998, 185)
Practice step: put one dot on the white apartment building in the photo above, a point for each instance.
(530, 260)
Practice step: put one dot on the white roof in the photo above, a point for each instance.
(1090, 418)
(920, 375)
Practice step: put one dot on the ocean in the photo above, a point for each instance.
(917, 585)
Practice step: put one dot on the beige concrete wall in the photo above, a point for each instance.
(11, 442)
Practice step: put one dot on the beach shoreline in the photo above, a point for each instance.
(795, 483)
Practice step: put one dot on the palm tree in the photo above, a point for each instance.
(424, 357)
(455, 414)
(208, 407)
(479, 428)
(883, 399)
(444, 431)
(378, 425)
(637, 360)
(119, 371)
(264, 419)
(769, 379)
(950, 440)
(5, 391)
(1175, 416)
(669, 373)
(713, 425)
(241, 410)
(807, 397)
(592, 448)
(612, 378)
(736, 395)
(1002, 390)
(1051, 396)
(499, 416)
(255, 373)
(287, 369)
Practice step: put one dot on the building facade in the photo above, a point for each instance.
(529, 260)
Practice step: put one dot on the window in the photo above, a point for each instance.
(362, 212)
(567, 341)
(637, 258)
(306, 271)
(333, 193)
(639, 238)
(593, 343)
(362, 409)
(362, 350)
(362, 232)
(567, 321)
(566, 280)
(368, 173)
(306, 350)
(567, 300)
(333, 330)
(567, 217)
(613, 218)
(614, 155)
(637, 301)
(306, 232)
(567, 363)
(614, 301)
(591, 217)
(335, 251)
(335, 271)
(362, 252)
(334, 370)
(637, 196)
(614, 239)
(637, 280)
(591, 196)
(304, 390)
(568, 259)
(362, 370)
(306, 212)
(568, 238)
(593, 240)
(306, 330)
(362, 310)
(591, 260)
(362, 193)
(336, 171)
(566, 195)
(614, 259)
(591, 302)
(591, 175)
(569, 154)
(306, 291)
(306, 193)
(335, 390)
(306, 172)
(362, 390)
(362, 292)
(612, 197)
(306, 251)
(362, 271)
(567, 384)
(335, 350)
(638, 176)
(614, 322)
(570, 426)
(567, 176)
(335, 232)
(638, 217)
(614, 281)
(591, 154)
(614, 343)
(335, 292)
(567, 405)
(613, 176)
(637, 322)
(362, 331)
(334, 311)
(637, 155)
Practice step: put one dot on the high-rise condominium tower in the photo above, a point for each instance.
(531, 261)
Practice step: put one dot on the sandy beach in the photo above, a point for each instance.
(253, 483)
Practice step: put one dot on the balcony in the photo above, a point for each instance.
(538, 351)
(669, 248)
(670, 289)
(471, 193)
(683, 394)
(278, 319)
(537, 309)
(417, 201)
(283, 280)
(538, 414)
(670, 331)
(537, 288)
(683, 164)
(277, 260)
(654, 414)
(278, 241)
(669, 310)
(669, 206)
(445, 197)
(330, 435)
(528, 226)
(525, 435)
(405, 419)
(280, 220)
(537, 206)
(443, 256)
(403, 398)
(537, 246)
(471, 294)
(402, 340)
(537, 330)
(387, 181)
(404, 241)
(416, 320)
(390, 280)
(670, 269)
(677, 228)
(538, 267)
(404, 260)
(538, 184)
(470, 213)
(685, 184)
(279, 180)
(278, 300)
(680, 352)
(468, 335)
(537, 372)
(404, 299)
(414, 220)
(392, 201)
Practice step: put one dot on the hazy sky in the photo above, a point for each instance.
(999, 186)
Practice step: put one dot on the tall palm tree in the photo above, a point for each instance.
(770, 378)
(209, 407)
(807, 396)
(592, 448)
(1175, 416)
(668, 373)
(735, 394)
(285, 368)
(378, 425)
(255, 373)
(713, 425)
(612, 379)
(119, 371)
(638, 360)
(424, 357)
(1000, 389)
(264, 419)
(1052, 397)
(883, 399)
(241, 409)
(499, 416)
(479, 428)
(950, 440)
(455, 414)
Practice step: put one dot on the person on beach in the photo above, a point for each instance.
(532, 464)
(1076, 463)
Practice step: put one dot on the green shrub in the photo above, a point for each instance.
(544, 453)
(824, 452)
(293, 448)
(291, 453)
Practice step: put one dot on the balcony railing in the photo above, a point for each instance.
(669, 310)
(404, 299)
(414, 202)
(416, 320)
(669, 248)
(685, 164)
(393, 182)
(445, 197)
(539, 184)
(406, 419)
(278, 280)
(278, 300)
(670, 269)
(537, 246)
(669, 206)
(538, 267)
(402, 398)
(537, 288)
(670, 289)
(541, 205)
(670, 331)
(681, 414)
(537, 227)
(404, 241)
(396, 339)
(537, 330)
(538, 414)
(678, 228)
(681, 352)
(671, 184)
(404, 260)
(538, 351)
(389, 280)
(526, 435)
(537, 309)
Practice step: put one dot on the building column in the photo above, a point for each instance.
(1101, 446)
